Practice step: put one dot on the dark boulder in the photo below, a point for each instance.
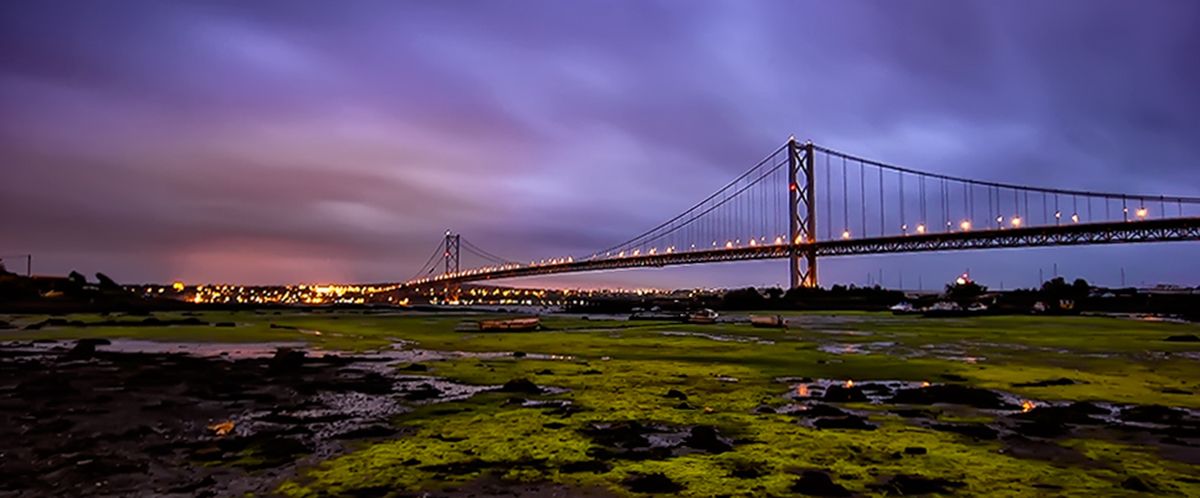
(817, 483)
(705, 438)
(977, 431)
(951, 394)
(1183, 338)
(414, 367)
(524, 386)
(844, 394)
(651, 483)
(423, 392)
(676, 394)
(847, 422)
(906, 485)
(1135, 483)
(287, 360)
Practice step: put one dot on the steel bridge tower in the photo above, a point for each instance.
(802, 216)
(450, 252)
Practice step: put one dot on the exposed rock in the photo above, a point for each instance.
(952, 394)
(847, 422)
(706, 438)
(86, 348)
(1135, 483)
(977, 431)
(844, 394)
(817, 483)
(423, 392)
(1061, 381)
(906, 485)
(520, 386)
(764, 410)
(820, 410)
(370, 431)
(1154, 414)
(593, 466)
(676, 394)
(287, 360)
(651, 483)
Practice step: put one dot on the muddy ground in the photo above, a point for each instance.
(75, 421)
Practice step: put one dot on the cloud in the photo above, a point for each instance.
(150, 138)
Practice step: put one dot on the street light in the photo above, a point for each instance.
(965, 225)
(1016, 221)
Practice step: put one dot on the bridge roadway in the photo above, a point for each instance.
(1121, 232)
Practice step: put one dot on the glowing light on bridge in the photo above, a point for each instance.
(1142, 212)
(921, 228)
(845, 234)
(1075, 218)
(729, 244)
(1016, 222)
(779, 240)
(965, 225)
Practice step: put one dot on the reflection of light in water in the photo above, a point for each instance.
(1027, 405)
(849, 384)
(802, 390)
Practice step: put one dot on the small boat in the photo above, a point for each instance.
(703, 316)
(904, 308)
(511, 324)
(771, 322)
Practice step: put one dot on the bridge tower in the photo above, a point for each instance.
(802, 217)
(450, 252)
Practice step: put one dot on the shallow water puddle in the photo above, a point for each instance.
(719, 338)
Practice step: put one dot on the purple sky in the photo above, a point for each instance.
(267, 142)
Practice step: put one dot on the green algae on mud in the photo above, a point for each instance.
(618, 371)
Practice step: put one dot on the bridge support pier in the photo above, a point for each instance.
(802, 214)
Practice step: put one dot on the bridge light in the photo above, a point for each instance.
(753, 243)
(779, 240)
(845, 234)
(965, 225)
(1057, 215)
(1075, 218)
(1141, 212)
(637, 252)
(729, 244)
(1016, 221)
(904, 228)
(921, 228)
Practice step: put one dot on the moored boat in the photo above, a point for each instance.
(511, 324)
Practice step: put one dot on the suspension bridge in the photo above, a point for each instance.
(804, 201)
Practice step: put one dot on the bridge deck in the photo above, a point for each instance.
(1121, 232)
